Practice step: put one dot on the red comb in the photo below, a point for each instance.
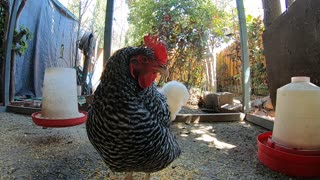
(159, 49)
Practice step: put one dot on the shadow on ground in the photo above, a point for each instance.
(209, 151)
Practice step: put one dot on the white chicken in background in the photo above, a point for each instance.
(177, 95)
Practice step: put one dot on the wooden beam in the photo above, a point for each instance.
(217, 117)
(265, 123)
(108, 31)
(22, 110)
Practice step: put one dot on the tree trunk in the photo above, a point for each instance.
(288, 3)
(214, 70)
(5, 5)
(272, 9)
(207, 75)
(211, 76)
(76, 58)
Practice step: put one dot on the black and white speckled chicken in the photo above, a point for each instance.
(128, 123)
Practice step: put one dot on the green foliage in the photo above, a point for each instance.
(3, 11)
(99, 21)
(257, 59)
(21, 38)
(185, 27)
(229, 60)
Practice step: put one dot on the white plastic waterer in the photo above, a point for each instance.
(60, 99)
(297, 118)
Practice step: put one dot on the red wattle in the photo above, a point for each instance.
(146, 79)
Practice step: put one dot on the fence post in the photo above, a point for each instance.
(245, 57)
(108, 31)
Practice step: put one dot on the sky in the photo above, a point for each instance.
(254, 7)
(64, 2)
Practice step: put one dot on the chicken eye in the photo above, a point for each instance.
(141, 59)
(134, 60)
(144, 60)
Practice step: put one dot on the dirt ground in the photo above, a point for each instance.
(224, 150)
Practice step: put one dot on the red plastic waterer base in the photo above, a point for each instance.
(58, 123)
(288, 161)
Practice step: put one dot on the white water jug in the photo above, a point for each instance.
(297, 117)
(60, 99)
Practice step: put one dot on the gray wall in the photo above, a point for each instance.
(292, 45)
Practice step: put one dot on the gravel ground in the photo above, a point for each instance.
(209, 151)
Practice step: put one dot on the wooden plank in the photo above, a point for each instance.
(22, 110)
(217, 117)
(265, 123)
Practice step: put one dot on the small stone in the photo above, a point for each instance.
(256, 103)
(268, 105)
(272, 113)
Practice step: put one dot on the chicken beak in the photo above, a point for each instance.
(163, 70)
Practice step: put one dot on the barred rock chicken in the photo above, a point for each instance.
(128, 122)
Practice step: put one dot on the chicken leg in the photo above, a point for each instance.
(147, 177)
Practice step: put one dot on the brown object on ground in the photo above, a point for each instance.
(220, 102)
